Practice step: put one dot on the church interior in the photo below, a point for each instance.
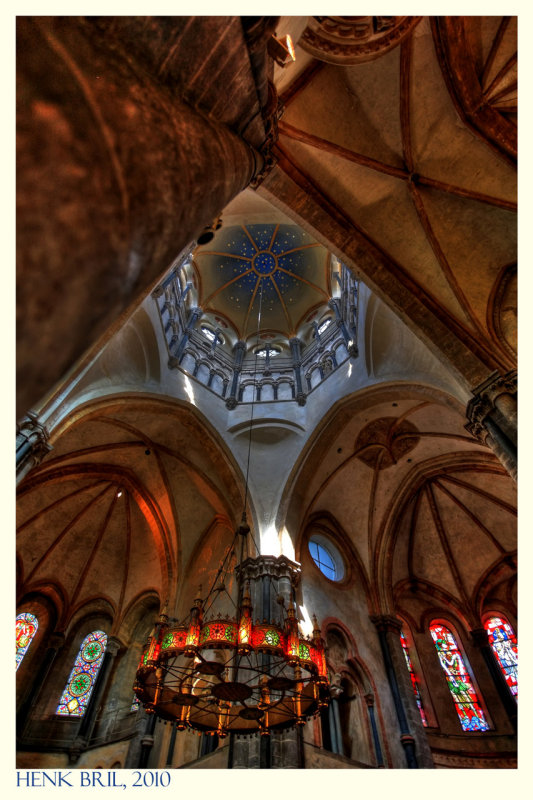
(266, 392)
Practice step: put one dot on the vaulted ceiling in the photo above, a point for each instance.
(121, 505)
(403, 132)
(411, 499)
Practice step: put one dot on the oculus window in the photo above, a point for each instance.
(327, 558)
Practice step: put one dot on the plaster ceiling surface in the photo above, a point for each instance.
(267, 274)
(414, 149)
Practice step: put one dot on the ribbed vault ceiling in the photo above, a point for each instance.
(414, 149)
(412, 496)
(120, 505)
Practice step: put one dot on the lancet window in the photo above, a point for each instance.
(502, 639)
(459, 681)
(80, 684)
(26, 626)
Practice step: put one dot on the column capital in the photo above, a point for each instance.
(484, 399)
(33, 430)
(369, 699)
(113, 646)
(386, 622)
(31, 444)
(77, 748)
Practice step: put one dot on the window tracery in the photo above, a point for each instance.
(80, 684)
(459, 681)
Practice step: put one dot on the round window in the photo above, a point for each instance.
(326, 557)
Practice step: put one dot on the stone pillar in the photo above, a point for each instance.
(492, 415)
(55, 643)
(238, 356)
(89, 718)
(175, 357)
(32, 444)
(185, 292)
(388, 630)
(369, 700)
(349, 337)
(147, 741)
(91, 91)
(295, 345)
(172, 744)
(335, 720)
(501, 446)
(215, 341)
(318, 339)
(480, 640)
(506, 404)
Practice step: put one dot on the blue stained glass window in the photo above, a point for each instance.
(81, 680)
(26, 627)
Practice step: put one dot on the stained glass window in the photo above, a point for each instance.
(26, 627)
(459, 681)
(502, 639)
(414, 681)
(135, 703)
(81, 680)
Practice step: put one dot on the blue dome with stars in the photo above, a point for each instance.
(278, 270)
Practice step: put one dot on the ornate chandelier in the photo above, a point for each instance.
(230, 674)
(226, 673)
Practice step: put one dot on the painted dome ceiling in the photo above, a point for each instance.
(277, 267)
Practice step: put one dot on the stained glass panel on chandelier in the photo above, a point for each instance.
(81, 680)
(26, 627)
(414, 681)
(502, 639)
(459, 681)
